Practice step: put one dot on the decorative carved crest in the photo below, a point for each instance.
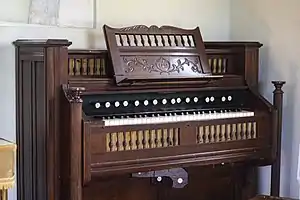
(152, 28)
(160, 65)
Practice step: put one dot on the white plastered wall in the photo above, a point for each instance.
(275, 23)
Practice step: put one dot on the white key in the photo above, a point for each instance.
(140, 119)
(122, 120)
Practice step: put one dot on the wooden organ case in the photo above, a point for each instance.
(159, 115)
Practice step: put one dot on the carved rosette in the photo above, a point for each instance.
(160, 65)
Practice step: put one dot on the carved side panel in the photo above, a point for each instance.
(31, 135)
(162, 65)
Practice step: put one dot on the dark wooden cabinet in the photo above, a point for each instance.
(67, 150)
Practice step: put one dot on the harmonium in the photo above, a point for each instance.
(159, 115)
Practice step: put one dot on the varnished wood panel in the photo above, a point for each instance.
(32, 130)
(120, 188)
(205, 183)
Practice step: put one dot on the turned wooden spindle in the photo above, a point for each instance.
(275, 171)
(3, 194)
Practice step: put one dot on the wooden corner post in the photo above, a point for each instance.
(41, 69)
(275, 171)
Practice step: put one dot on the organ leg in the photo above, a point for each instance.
(275, 171)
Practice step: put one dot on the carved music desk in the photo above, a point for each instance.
(158, 115)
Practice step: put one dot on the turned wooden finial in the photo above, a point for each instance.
(278, 86)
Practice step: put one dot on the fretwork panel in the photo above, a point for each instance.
(142, 139)
(155, 40)
(87, 67)
(226, 132)
(218, 65)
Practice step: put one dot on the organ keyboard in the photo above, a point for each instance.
(160, 104)
(154, 108)
(175, 117)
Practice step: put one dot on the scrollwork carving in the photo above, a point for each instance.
(73, 94)
(152, 28)
(130, 64)
(188, 62)
(140, 28)
(160, 65)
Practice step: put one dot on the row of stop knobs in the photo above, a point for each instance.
(164, 101)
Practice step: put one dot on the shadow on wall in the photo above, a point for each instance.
(270, 72)
(251, 21)
(288, 119)
(95, 39)
(290, 150)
